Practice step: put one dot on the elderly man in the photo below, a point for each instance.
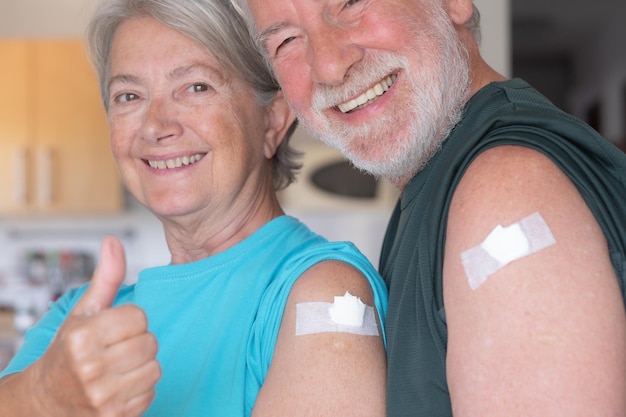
(505, 257)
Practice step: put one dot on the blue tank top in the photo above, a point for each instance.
(216, 320)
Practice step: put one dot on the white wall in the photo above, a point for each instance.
(51, 18)
(496, 33)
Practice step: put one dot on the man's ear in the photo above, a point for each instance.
(279, 120)
(460, 11)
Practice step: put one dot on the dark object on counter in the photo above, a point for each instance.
(59, 269)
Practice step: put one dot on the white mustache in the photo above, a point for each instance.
(371, 70)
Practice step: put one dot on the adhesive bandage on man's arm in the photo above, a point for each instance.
(505, 245)
(347, 314)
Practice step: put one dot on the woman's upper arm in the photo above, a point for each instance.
(544, 334)
(326, 373)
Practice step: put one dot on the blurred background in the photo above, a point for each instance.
(59, 191)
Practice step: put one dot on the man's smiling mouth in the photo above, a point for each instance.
(175, 162)
(370, 95)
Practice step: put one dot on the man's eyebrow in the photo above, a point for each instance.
(263, 36)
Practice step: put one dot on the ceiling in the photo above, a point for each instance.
(545, 27)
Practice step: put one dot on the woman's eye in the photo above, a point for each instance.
(126, 97)
(198, 88)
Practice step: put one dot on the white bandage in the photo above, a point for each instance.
(505, 245)
(347, 314)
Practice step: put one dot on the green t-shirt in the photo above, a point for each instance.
(509, 112)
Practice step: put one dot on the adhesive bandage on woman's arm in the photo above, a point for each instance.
(505, 245)
(347, 314)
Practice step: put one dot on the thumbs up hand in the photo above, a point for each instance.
(106, 282)
(102, 360)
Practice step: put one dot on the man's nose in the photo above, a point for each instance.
(331, 54)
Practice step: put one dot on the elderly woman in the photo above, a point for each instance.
(255, 314)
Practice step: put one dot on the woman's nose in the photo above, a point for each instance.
(160, 121)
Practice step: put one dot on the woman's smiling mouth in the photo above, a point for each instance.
(175, 162)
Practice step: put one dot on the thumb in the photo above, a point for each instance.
(106, 280)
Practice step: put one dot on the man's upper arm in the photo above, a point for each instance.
(545, 332)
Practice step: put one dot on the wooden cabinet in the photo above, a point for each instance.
(14, 123)
(54, 139)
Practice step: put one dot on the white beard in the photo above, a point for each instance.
(399, 144)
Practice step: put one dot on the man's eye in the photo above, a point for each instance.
(350, 3)
(285, 42)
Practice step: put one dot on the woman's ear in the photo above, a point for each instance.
(279, 120)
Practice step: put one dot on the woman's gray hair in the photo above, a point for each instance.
(215, 25)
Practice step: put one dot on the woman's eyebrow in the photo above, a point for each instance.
(124, 79)
(187, 69)
(176, 73)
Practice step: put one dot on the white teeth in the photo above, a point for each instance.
(175, 162)
(371, 94)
